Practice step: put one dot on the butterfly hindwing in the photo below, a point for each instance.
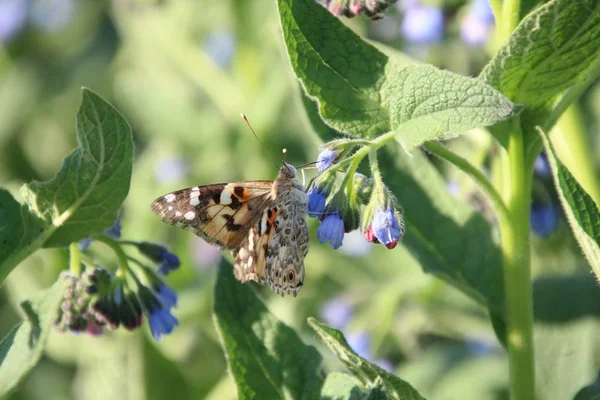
(222, 214)
(289, 246)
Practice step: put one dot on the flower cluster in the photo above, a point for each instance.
(98, 299)
(358, 201)
(350, 8)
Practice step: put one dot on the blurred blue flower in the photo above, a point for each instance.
(161, 322)
(203, 253)
(544, 219)
(159, 254)
(170, 169)
(326, 158)
(480, 347)
(453, 187)
(360, 342)
(331, 230)
(170, 263)
(422, 24)
(84, 244)
(477, 24)
(114, 232)
(220, 46)
(160, 319)
(384, 364)
(541, 167)
(316, 202)
(51, 15)
(483, 10)
(336, 312)
(386, 227)
(13, 14)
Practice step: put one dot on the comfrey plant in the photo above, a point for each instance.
(375, 111)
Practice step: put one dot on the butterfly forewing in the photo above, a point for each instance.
(221, 214)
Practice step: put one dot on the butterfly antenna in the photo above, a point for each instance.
(256, 136)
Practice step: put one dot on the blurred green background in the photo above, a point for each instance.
(181, 72)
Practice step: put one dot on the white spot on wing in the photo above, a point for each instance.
(194, 201)
(177, 214)
(225, 197)
(170, 197)
(190, 215)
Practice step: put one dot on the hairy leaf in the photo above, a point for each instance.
(368, 374)
(340, 386)
(266, 358)
(85, 195)
(362, 92)
(551, 49)
(22, 348)
(83, 198)
(581, 210)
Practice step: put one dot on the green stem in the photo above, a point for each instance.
(351, 193)
(484, 183)
(517, 270)
(511, 15)
(74, 259)
(116, 247)
(497, 10)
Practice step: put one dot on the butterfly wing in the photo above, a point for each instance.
(251, 257)
(289, 246)
(273, 252)
(222, 214)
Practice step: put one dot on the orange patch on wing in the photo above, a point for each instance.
(242, 193)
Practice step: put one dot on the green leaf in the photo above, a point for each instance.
(566, 357)
(448, 238)
(17, 226)
(368, 374)
(581, 210)
(362, 92)
(83, 198)
(551, 49)
(266, 358)
(22, 348)
(589, 392)
(85, 195)
(340, 386)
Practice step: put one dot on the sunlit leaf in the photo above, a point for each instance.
(367, 374)
(266, 358)
(581, 210)
(83, 198)
(360, 91)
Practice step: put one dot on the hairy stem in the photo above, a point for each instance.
(116, 247)
(517, 270)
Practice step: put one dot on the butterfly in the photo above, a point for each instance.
(262, 222)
